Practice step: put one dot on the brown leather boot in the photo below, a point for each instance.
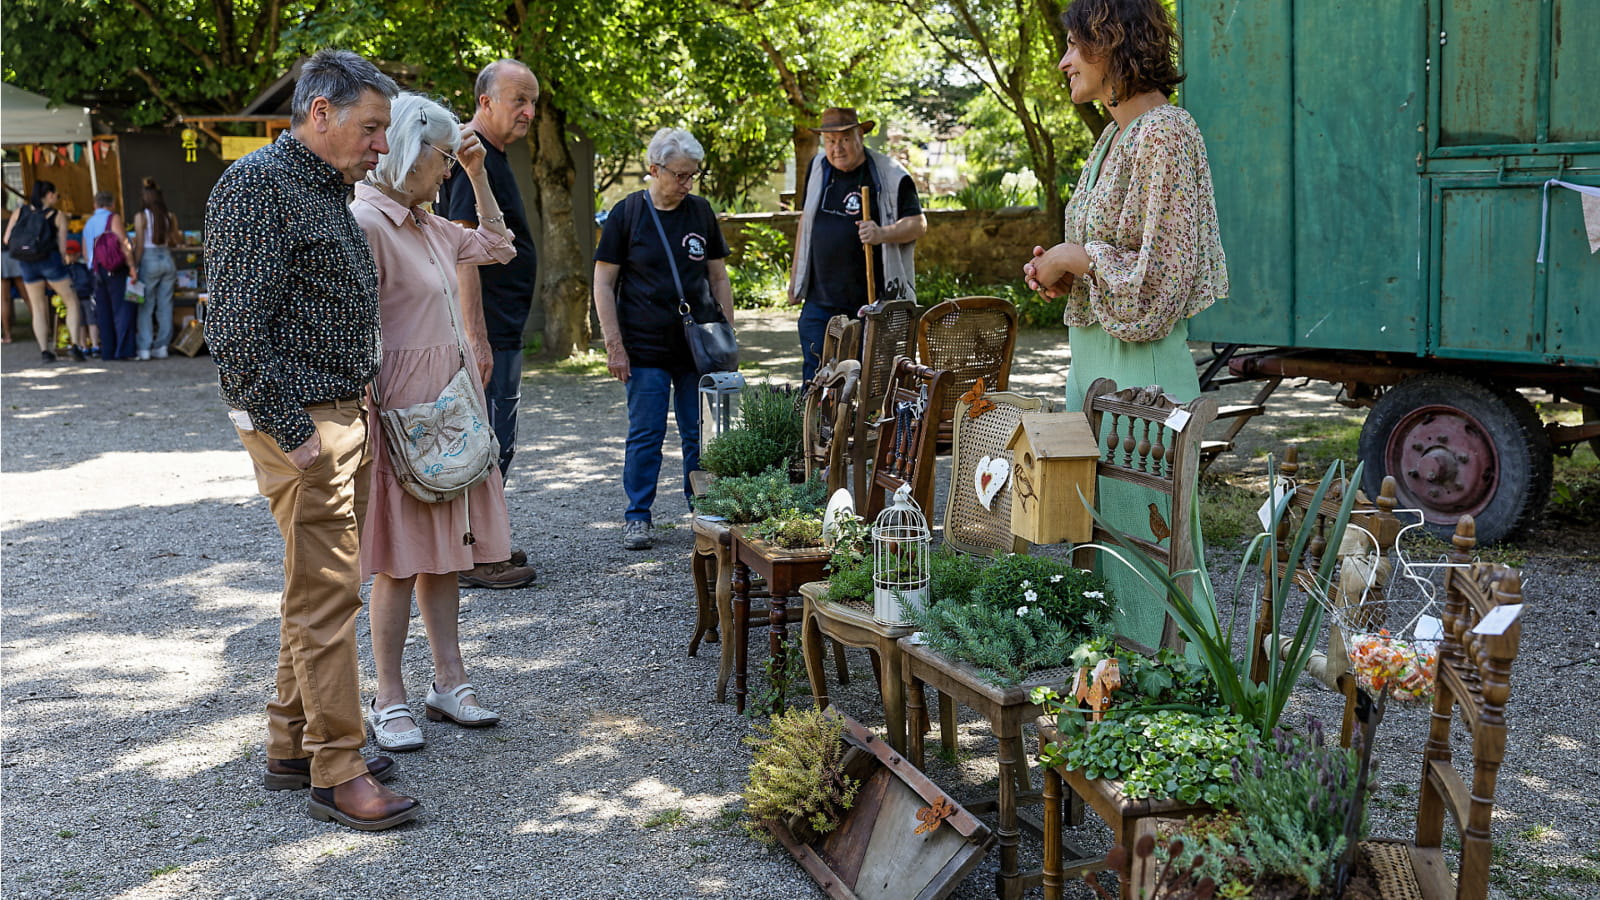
(295, 774)
(497, 576)
(363, 804)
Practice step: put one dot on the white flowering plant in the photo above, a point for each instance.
(1077, 599)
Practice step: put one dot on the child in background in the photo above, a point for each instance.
(88, 335)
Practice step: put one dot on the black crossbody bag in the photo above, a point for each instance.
(713, 344)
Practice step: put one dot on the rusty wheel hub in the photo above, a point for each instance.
(1445, 459)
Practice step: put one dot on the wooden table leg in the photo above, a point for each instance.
(705, 623)
(1052, 835)
(915, 710)
(778, 643)
(892, 688)
(1008, 883)
(741, 634)
(813, 650)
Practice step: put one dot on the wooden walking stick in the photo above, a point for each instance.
(866, 216)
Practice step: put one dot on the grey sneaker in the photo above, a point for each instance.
(636, 535)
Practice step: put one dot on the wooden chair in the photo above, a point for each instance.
(830, 413)
(1141, 450)
(905, 456)
(1137, 448)
(1377, 519)
(913, 406)
(971, 338)
(968, 526)
(1474, 682)
(889, 333)
(841, 340)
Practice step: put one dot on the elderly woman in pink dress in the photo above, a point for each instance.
(408, 545)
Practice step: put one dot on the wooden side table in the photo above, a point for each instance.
(1125, 816)
(784, 571)
(853, 625)
(1006, 708)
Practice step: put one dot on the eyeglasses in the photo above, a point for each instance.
(450, 162)
(684, 178)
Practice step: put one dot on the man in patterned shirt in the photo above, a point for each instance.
(293, 328)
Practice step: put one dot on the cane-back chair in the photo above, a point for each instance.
(971, 338)
(982, 429)
(889, 332)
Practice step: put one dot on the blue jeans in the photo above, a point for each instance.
(649, 392)
(504, 394)
(116, 315)
(159, 275)
(813, 328)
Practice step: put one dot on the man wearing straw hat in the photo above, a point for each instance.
(849, 254)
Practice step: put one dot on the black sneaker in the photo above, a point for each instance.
(48, 356)
(77, 353)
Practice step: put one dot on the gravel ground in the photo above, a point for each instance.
(140, 578)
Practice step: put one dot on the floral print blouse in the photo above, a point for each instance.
(1148, 221)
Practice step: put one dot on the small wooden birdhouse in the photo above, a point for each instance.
(1055, 456)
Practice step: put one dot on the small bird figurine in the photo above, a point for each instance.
(1158, 525)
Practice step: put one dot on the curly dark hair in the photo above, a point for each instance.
(1137, 40)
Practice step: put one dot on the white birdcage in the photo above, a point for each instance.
(900, 542)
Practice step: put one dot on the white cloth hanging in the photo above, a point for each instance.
(1591, 213)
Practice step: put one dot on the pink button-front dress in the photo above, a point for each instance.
(417, 253)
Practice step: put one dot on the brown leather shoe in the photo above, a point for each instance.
(294, 774)
(363, 804)
(497, 576)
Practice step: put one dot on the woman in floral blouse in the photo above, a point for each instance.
(1141, 253)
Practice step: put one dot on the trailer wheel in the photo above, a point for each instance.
(1457, 446)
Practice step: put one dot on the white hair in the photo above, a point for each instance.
(672, 143)
(414, 120)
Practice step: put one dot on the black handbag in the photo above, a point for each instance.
(713, 344)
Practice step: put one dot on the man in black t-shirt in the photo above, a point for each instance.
(507, 92)
(829, 274)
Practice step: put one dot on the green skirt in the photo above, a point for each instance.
(1140, 612)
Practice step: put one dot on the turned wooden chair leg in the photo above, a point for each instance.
(1052, 835)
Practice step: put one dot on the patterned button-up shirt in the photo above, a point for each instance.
(293, 314)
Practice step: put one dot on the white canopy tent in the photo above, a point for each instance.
(27, 118)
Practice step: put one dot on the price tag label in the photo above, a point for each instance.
(1178, 419)
(1499, 619)
(1280, 495)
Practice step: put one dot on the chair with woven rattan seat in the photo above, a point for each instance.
(1473, 682)
(830, 412)
(971, 338)
(888, 333)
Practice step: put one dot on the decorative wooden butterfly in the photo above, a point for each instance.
(977, 403)
(931, 816)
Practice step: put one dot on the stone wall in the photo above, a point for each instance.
(990, 244)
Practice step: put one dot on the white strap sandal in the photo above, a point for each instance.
(394, 741)
(448, 706)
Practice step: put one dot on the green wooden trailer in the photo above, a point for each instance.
(1382, 170)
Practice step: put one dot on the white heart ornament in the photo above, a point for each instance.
(991, 475)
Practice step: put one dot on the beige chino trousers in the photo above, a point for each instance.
(317, 712)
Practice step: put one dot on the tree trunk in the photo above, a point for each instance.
(563, 271)
(806, 143)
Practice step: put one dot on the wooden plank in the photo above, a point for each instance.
(898, 857)
(846, 846)
(1456, 796)
(814, 866)
(1433, 874)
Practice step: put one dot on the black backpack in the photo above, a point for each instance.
(34, 236)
